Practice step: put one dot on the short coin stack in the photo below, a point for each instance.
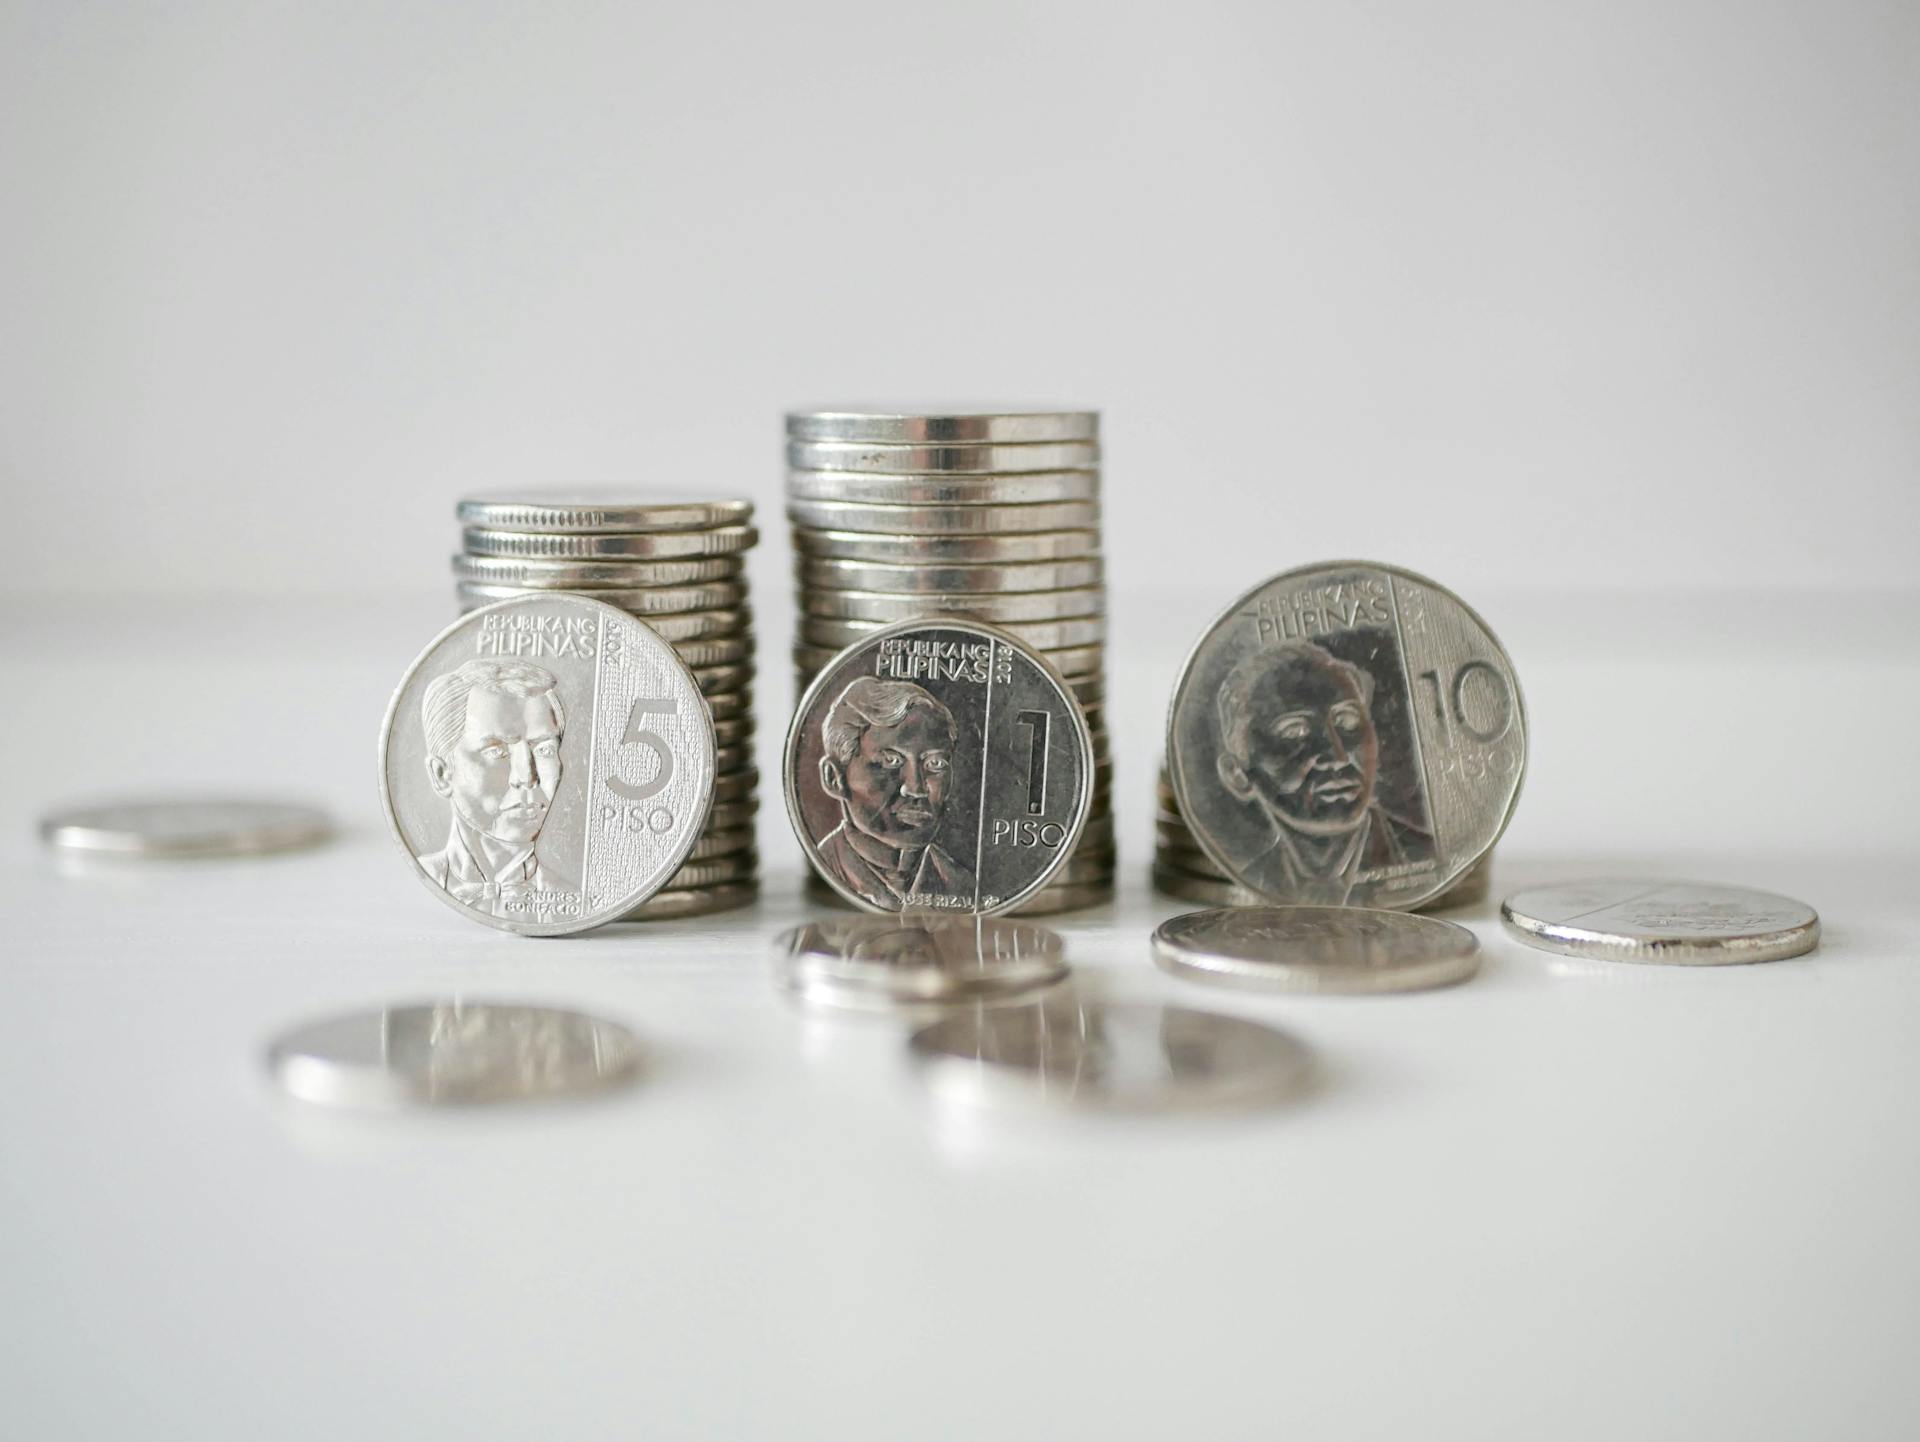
(679, 566)
(992, 515)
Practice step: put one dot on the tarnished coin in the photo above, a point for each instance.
(593, 509)
(185, 826)
(996, 521)
(594, 575)
(1041, 635)
(889, 962)
(950, 490)
(1062, 1051)
(938, 765)
(546, 764)
(935, 424)
(887, 606)
(1347, 734)
(973, 459)
(1006, 549)
(1346, 949)
(674, 904)
(452, 1053)
(883, 578)
(642, 600)
(662, 545)
(1679, 923)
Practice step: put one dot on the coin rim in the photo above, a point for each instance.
(1588, 945)
(1193, 962)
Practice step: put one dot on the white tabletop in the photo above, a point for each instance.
(1564, 1200)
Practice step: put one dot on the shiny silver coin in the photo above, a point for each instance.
(726, 841)
(595, 509)
(539, 575)
(887, 606)
(713, 654)
(641, 600)
(1009, 550)
(674, 625)
(1201, 890)
(159, 828)
(950, 490)
(1344, 949)
(546, 764)
(664, 545)
(883, 578)
(969, 459)
(884, 962)
(1678, 923)
(1062, 1051)
(1078, 664)
(452, 1053)
(871, 519)
(715, 871)
(1011, 425)
(938, 765)
(1347, 734)
(1040, 635)
(679, 903)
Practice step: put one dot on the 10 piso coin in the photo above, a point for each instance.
(547, 764)
(1348, 734)
(938, 765)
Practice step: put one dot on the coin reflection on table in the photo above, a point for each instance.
(888, 963)
(452, 1053)
(1069, 1052)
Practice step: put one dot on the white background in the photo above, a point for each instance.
(1607, 316)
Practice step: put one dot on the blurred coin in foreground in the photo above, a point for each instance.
(883, 962)
(1065, 1052)
(1316, 948)
(1678, 923)
(452, 1053)
(185, 826)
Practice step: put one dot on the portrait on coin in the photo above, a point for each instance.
(1298, 741)
(887, 761)
(493, 731)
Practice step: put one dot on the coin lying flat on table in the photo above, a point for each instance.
(936, 460)
(1065, 1052)
(546, 763)
(1347, 734)
(588, 509)
(1007, 548)
(938, 765)
(1679, 923)
(870, 963)
(452, 1053)
(1316, 948)
(1012, 425)
(184, 826)
(948, 490)
(588, 546)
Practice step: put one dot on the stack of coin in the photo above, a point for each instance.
(678, 565)
(988, 514)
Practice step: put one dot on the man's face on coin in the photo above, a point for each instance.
(895, 786)
(1307, 748)
(503, 771)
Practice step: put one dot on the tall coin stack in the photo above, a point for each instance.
(679, 566)
(993, 515)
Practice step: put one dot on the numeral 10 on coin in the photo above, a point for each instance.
(1475, 683)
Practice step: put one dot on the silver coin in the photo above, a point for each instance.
(969, 459)
(1088, 690)
(938, 765)
(921, 579)
(949, 490)
(725, 841)
(452, 1053)
(1079, 663)
(935, 424)
(1007, 549)
(884, 962)
(871, 518)
(663, 545)
(593, 509)
(594, 575)
(1680, 923)
(185, 826)
(732, 732)
(715, 871)
(1201, 890)
(1347, 734)
(1062, 1051)
(676, 904)
(1040, 635)
(728, 705)
(742, 785)
(997, 607)
(641, 600)
(713, 654)
(719, 679)
(1346, 949)
(546, 764)
(1056, 899)
(727, 816)
(668, 625)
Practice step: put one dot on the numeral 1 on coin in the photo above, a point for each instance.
(1456, 693)
(1037, 722)
(638, 735)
